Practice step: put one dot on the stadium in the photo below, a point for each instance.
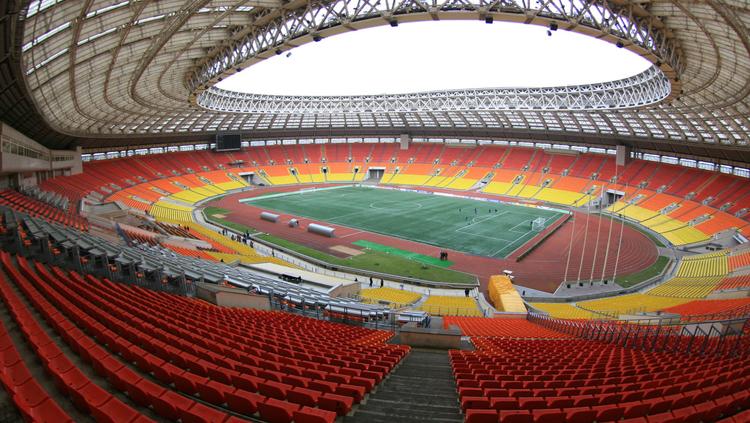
(175, 249)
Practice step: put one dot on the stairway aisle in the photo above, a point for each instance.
(421, 389)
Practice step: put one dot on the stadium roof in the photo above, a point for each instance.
(108, 73)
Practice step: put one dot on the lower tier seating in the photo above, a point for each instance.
(566, 311)
(450, 306)
(34, 403)
(87, 396)
(709, 308)
(170, 212)
(739, 260)
(631, 304)
(274, 366)
(734, 282)
(573, 380)
(701, 265)
(394, 297)
(511, 328)
(686, 287)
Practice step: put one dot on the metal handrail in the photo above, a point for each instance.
(721, 337)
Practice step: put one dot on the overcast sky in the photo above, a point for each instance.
(429, 56)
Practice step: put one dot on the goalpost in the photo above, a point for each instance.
(538, 224)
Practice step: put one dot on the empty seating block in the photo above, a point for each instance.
(394, 297)
(566, 311)
(450, 306)
(513, 328)
(284, 367)
(575, 380)
(631, 304)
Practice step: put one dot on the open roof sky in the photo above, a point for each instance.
(429, 56)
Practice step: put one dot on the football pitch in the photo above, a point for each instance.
(470, 226)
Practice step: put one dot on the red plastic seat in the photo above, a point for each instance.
(475, 403)
(47, 411)
(687, 414)
(659, 405)
(313, 415)
(188, 383)
(579, 415)
(666, 417)
(322, 386)
(90, 397)
(635, 409)
(548, 415)
(273, 389)
(221, 375)
(277, 411)
(71, 380)
(200, 413)
(339, 404)
(172, 405)
(303, 396)
(213, 392)
(115, 411)
(124, 378)
(244, 402)
(481, 416)
(531, 403)
(559, 402)
(356, 392)
(246, 382)
(516, 416)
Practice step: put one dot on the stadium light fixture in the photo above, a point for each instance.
(393, 23)
(317, 38)
(489, 19)
(620, 44)
(553, 26)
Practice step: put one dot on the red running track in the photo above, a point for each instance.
(543, 269)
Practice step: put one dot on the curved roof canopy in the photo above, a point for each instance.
(108, 73)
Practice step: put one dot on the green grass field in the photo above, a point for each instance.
(627, 281)
(471, 226)
(378, 261)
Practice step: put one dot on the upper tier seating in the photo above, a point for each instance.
(520, 171)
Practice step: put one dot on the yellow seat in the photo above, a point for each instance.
(565, 311)
(630, 304)
(450, 306)
(395, 298)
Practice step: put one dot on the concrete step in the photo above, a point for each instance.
(388, 416)
(364, 416)
(421, 389)
(420, 398)
(415, 406)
